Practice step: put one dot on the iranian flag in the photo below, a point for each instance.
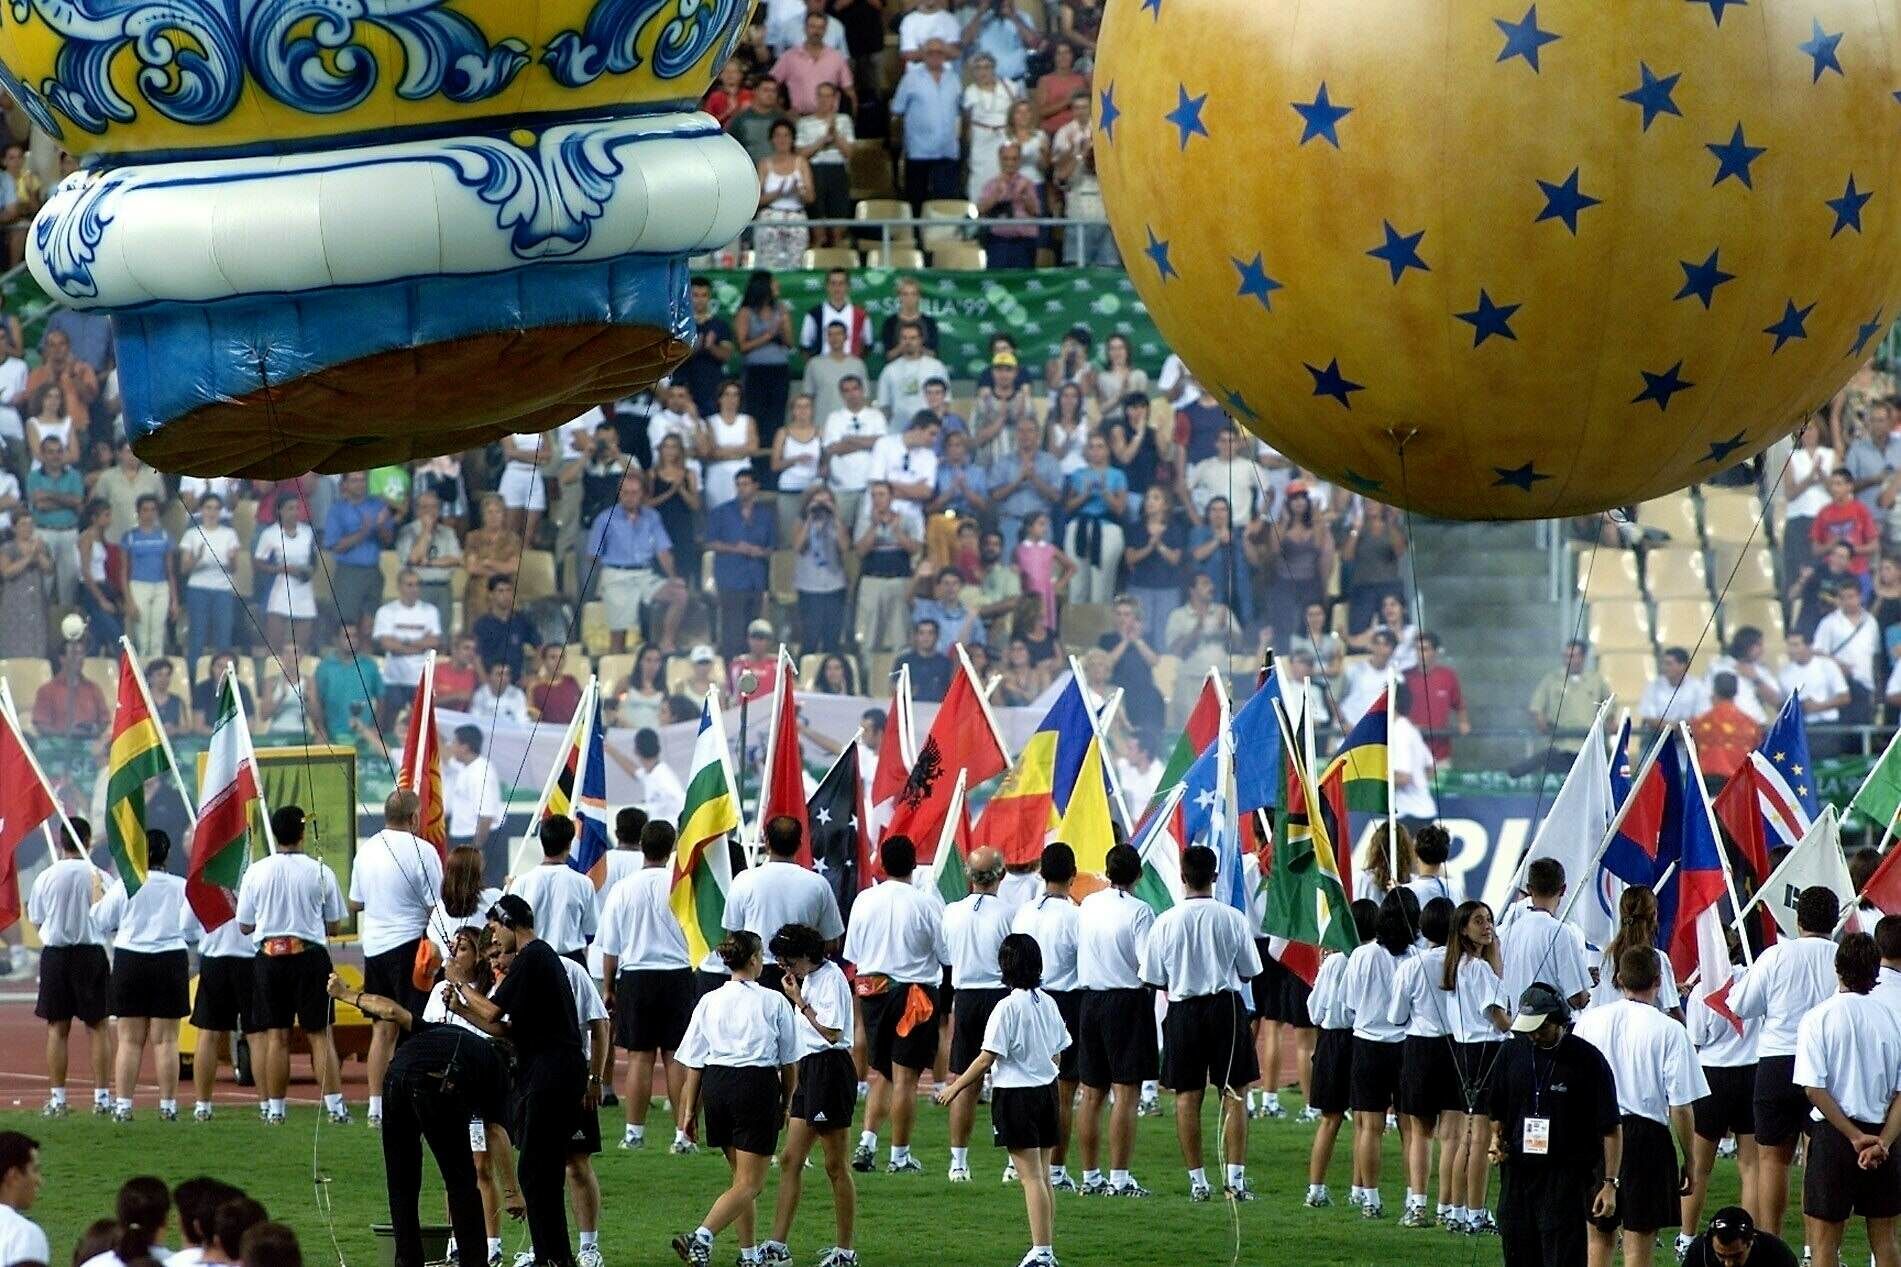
(950, 873)
(229, 788)
(26, 801)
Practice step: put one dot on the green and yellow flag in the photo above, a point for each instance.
(138, 753)
(702, 864)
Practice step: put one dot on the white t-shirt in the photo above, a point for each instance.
(661, 794)
(1026, 1034)
(901, 386)
(289, 895)
(149, 922)
(1809, 502)
(1662, 702)
(563, 902)
(1605, 992)
(9, 488)
(1787, 980)
(899, 463)
(917, 28)
(1326, 1002)
(1406, 753)
(828, 994)
(1821, 678)
(21, 1240)
(1718, 1044)
(974, 928)
(588, 1006)
(1418, 1003)
(740, 1025)
(1018, 889)
(1363, 684)
(510, 708)
(474, 795)
(638, 927)
(1852, 644)
(1748, 698)
(1650, 1056)
(1199, 947)
(766, 898)
(210, 555)
(1536, 947)
(396, 879)
(289, 596)
(1887, 991)
(1112, 929)
(222, 942)
(60, 903)
(1475, 991)
(1428, 887)
(410, 624)
(897, 930)
(1369, 993)
(1052, 919)
(850, 472)
(1850, 1046)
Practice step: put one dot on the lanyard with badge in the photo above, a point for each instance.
(1536, 1137)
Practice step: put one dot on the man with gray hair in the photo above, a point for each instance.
(974, 929)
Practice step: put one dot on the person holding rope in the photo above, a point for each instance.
(395, 880)
(75, 975)
(648, 976)
(1536, 946)
(151, 977)
(766, 898)
(222, 1008)
(1476, 1016)
(1199, 953)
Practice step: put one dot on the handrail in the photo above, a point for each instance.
(961, 228)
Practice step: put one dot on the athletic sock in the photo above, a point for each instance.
(1443, 1210)
(1119, 1179)
(636, 1132)
(900, 1152)
(494, 1246)
(333, 1100)
(1151, 1089)
(1198, 1176)
(1272, 1098)
(275, 1107)
(1359, 1193)
(1460, 1214)
(1254, 1099)
(1237, 1175)
(1373, 1201)
(680, 1136)
(168, 1106)
(703, 1234)
(960, 1157)
(102, 1095)
(1315, 1190)
(201, 1106)
(59, 1095)
(122, 1105)
(376, 1106)
(1415, 1200)
(590, 1238)
(1092, 1176)
(868, 1139)
(1058, 1172)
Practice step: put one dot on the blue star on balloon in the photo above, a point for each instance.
(1155, 7)
(1109, 113)
(1319, 116)
(1820, 46)
(1238, 405)
(1186, 116)
(1865, 332)
(1563, 201)
(1489, 319)
(1659, 388)
(1734, 157)
(1331, 382)
(1255, 283)
(1157, 251)
(1721, 449)
(1518, 477)
(1523, 38)
(1717, 7)
(1653, 94)
(1790, 325)
(1847, 208)
(1701, 280)
(1400, 251)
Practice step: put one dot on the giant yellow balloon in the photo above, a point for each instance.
(1572, 254)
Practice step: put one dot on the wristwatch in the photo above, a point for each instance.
(1611, 1180)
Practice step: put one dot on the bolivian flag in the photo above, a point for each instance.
(702, 864)
(138, 753)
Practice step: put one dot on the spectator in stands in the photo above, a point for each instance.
(1805, 485)
(122, 484)
(1294, 554)
(702, 673)
(497, 701)
(1067, 427)
(818, 571)
(502, 633)
(47, 418)
(1564, 704)
(1365, 680)
(999, 584)
(1138, 768)
(1214, 553)
(1095, 500)
(1845, 519)
(910, 308)
(760, 658)
(1157, 543)
(851, 432)
(76, 378)
(1725, 735)
(639, 701)
(1873, 453)
(729, 93)
(806, 67)
(764, 328)
(901, 383)
(940, 601)
(487, 552)
(1824, 690)
(554, 692)
(26, 590)
(601, 474)
(1228, 473)
(675, 496)
(1415, 801)
(1021, 678)
(1303, 689)
(70, 703)
(442, 475)
(458, 675)
(1000, 30)
(1046, 570)
(741, 534)
(728, 446)
(987, 102)
(827, 370)
(937, 404)
(1027, 482)
(786, 189)
(1673, 695)
(355, 530)
(825, 139)
(56, 493)
(927, 110)
(428, 547)
(1393, 617)
(841, 309)
(1848, 636)
(887, 538)
(1009, 196)
(151, 580)
(713, 348)
(1438, 699)
(1758, 694)
(908, 461)
(101, 579)
(1117, 383)
(635, 556)
(168, 706)
(10, 499)
(836, 676)
(1062, 92)
(348, 689)
(1003, 405)
(204, 692)
(930, 667)
(1132, 659)
(208, 553)
(1372, 552)
(1198, 633)
(798, 452)
(751, 125)
(1327, 648)
(406, 629)
(784, 20)
(1812, 595)
(962, 487)
(926, 22)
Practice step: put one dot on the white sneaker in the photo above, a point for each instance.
(53, 1108)
(1009, 1172)
(633, 1142)
(1308, 1115)
(958, 1174)
(837, 1257)
(122, 1115)
(340, 1117)
(374, 1121)
(1200, 1192)
(589, 1256)
(202, 1113)
(526, 1258)
(909, 1166)
(771, 1253)
(683, 1148)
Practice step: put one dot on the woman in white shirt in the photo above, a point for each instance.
(1636, 926)
(143, 1210)
(728, 445)
(1806, 487)
(1377, 1043)
(523, 491)
(740, 1054)
(151, 977)
(1479, 1021)
(987, 102)
(287, 552)
(1432, 1099)
(208, 556)
(1022, 1042)
(1728, 1057)
(50, 418)
(827, 1094)
(1333, 1054)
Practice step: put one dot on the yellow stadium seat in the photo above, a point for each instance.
(961, 210)
(1742, 571)
(808, 668)
(880, 670)
(905, 257)
(960, 257)
(886, 209)
(1675, 513)
(1608, 574)
(103, 672)
(1733, 515)
(871, 176)
(1763, 612)
(1167, 669)
(595, 635)
(613, 671)
(1676, 572)
(831, 257)
(537, 576)
(25, 676)
(1620, 625)
(679, 669)
(1682, 621)
(1627, 672)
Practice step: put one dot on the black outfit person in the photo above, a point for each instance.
(550, 1081)
(1543, 1201)
(438, 1081)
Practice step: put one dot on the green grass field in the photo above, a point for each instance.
(650, 1195)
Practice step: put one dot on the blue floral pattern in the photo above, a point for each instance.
(607, 43)
(547, 200)
(69, 241)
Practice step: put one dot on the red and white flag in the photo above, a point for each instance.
(26, 801)
(964, 739)
(783, 788)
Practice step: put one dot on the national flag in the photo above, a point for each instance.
(138, 753)
(1031, 798)
(964, 738)
(1231, 886)
(227, 793)
(1883, 890)
(1257, 733)
(593, 837)
(1817, 859)
(896, 755)
(421, 770)
(1878, 799)
(1697, 945)
(950, 871)
(1648, 826)
(783, 789)
(1304, 895)
(1785, 777)
(26, 801)
(1160, 884)
(836, 838)
(1088, 821)
(1204, 723)
(1359, 778)
(1574, 829)
(557, 799)
(702, 864)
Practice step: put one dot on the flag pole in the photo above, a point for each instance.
(165, 740)
(1525, 859)
(1716, 832)
(414, 759)
(39, 772)
(1097, 726)
(1392, 815)
(568, 738)
(1769, 882)
(1574, 891)
(772, 745)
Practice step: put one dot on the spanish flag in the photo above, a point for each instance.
(138, 753)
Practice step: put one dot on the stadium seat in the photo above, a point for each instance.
(878, 672)
(1627, 672)
(885, 209)
(537, 576)
(25, 676)
(613, 671)
(1675, 513)
(906, 257)
(808, 669)
(1681, 621)
(1167, 669)
(679, 669)
(595, 635)
(871, 174)
(1764, 612)
(1676, 572)
(103, 672)
(1083, 623)
(1611, 574)
(960, 256)
(1620, 625)
(779, 571)
(1733, 515)
(389, 565)
(831, 257)
(1742, 571)
(958, 209)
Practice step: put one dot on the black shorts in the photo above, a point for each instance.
(1332, 1072)
(1834, 1186)
(970, 1016)
(1069, 1004)
(1374, 1081)
(392, 974)
(827, 1094)
(1267, 995)
(1294, 992)
(1206, 1041)
(1429, 1081)
(742, 1107)
(1116, 1032)
(885, 1048)
(287, 988)
(707, 982)
(223, 1001)
(1647, 1181)
(1023, 1118)
(1782, 1108)
(75, 984)
(1474, 1063)
(586, 1139)
(652, 1007)
(1731, 1104)
(151, 986)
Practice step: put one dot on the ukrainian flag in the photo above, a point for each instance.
(138, 753)
(1057, 783)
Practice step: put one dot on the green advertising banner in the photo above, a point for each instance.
(1034, 308)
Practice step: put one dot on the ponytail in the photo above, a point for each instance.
(142, 1207)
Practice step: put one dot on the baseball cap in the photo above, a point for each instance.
(759, 629)
(701, 654)
(1539, 1003)
(1005, 357)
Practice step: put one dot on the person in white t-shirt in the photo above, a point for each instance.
(1411, 763)
(1849, 636)
(901, 383)
(1824, 687)
(406, 630)
(22, 1243)
(561, 897)
(1673, 695)
(143, 1210)
(394, 883)
(1365, 680)
(1432, 845)
(649, 981)
(930, 20)
(75, 975)
(472, 792)
(523, 491)
(851, 431)
(151, 977)
(197, 1201)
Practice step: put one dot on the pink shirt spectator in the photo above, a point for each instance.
(1019, 194)
(1037, 561)
(802, 71)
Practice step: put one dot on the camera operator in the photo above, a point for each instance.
(818, 570)
(999, 30)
